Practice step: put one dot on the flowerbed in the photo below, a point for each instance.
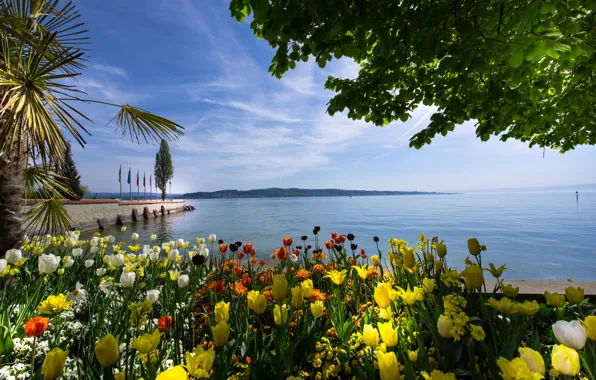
(320, 309)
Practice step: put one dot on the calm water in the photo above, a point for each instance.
(538, 235)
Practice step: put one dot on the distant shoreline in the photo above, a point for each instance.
(298, 193)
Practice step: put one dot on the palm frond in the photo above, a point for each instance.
(48, 216)
(43, 181)
(143, 125)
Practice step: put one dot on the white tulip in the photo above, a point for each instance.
(127, 279)
(142, 256)
(123, 228)
(67, 262)
(171, 243)
(100, 271)
(13, 255)
(93, 250)
(212, 238)
(111, 239)
(204, 251)
(77, 252)
(89, 263)
(180, 243)
(570, 334)
(152, 295)
(183, 280)
(153, 237)
(153, 256)
(156, 249)
(146, 249)
(3, 265)
(117, 260)
(47, 263)
(134, 236)
(94, 242)
(164, 245)
(173, 255)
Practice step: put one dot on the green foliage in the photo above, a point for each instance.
(521, 69)
(68, 170)
(164, 169)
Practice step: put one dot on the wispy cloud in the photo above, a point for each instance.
(111, 70)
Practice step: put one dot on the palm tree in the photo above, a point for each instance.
(42, 50)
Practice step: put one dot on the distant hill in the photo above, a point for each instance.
(294, 192)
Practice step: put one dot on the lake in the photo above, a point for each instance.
(538, 235)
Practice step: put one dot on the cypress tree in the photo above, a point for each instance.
(68, 170)
(164, 169)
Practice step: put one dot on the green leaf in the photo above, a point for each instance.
(516, 59)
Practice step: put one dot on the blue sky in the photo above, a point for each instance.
(188, 60)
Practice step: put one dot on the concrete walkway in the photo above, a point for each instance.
(538, 287)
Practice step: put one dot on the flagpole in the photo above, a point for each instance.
(144, 187)
(130, 182)
(138, 189)
(120, 180)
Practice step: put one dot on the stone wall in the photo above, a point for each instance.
(86, 213)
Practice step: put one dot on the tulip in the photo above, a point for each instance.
(504, 305)
(127, 279)
(533, 359)
(382, 296)
(89, 263)
(36, 326)
(409, 260)
(496, 272)
(47, 263)
(280, 314)
(574, 295)
(13, 256)
(444, 325)
(307, 288)
(317, 308)
(565, 360)
(107, 351)
(53, 364)
(374, 260)
(336, 276)
(411, 296)
(370, 336)
(527, 308)
(175, 373)
(297, 296)
(516, 369)
(67, 261)
(361, 271)
(388, 366)
(153, 237)
(570, 334)
(212, 238)
(152, 296)
(257, 302)
(510, 291)
(116, 260)
(287, 241)
(554, 299)
(3, 265)
(100, 272)
(221, 333)
(199, 365)
(134, 236)
(590, 327)
(428, 284)
(123, 228)
(473, 246)
(279, 289)
(441, 250)
(173, 255)
(183, 281)
(438, 265)
(388, 333)
(413, 355)
(147, 343)
(473, 277)
(222, 312)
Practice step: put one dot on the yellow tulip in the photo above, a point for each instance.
(533, 359)
(53, 364)
(438, 265)
(429, 257)
(473, 246)
(119, 376)
(565, 360)
(199, 365)
(441, 250)
(477, 332)
(336, 276)
(374, 260)
(257, 302)
(107, 351)
(176, 373)
(280, 314)
(370, 336)
(250, 298)
(222, 312)
(574, 295)
(382, 296)
(409, 259)
(590, 326)
(516, 369)
(362, 271)
(317, 308)
(473, 277)
(504, 305)
(438, 375)
(496, 272)
(297, 296)
(411, 296)
(428, 284)
(444, 325)
(510, 291)
(221, 333)
(307, 288)
(413, 355)
(280, 287)
(527, 308)
(388, 333)
(147, 343)
(554, 299)
(388, 366)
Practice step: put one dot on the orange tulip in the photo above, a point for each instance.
(329, 244)
(164, 323)
(333, 235)
(247, 248)
(223, 248)
(36, 326)
(287, 241)
(282, 253)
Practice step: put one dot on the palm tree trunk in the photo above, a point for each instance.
(11, 199)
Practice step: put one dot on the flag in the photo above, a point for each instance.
(144, 184)
(150, 183)
(137, 178)
(120, 174)
(128, 181)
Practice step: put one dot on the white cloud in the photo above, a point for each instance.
(111, 70)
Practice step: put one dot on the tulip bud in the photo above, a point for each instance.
(280, 314)
(375, 260)
(183, 281)
(510, 291)
(317, 308)
(222, 312)
(441, 250)
(221, 333)
(473, 247)
(134, 236)
(382, 296)
(388, 366)
(47, 263)
(428, 284)
(297, 296)
(590, 327)
(473, 277)
(53, 364)
(413, 355)
(409, 260)
(89, 263)
(565, 360)
(152, 295)
(212, 238)
(307, 288)
(370, 336)
(438, 265)
(127, 279)
(570, 334)
(574, 295)
(554, 299)
(107, 351)
(388, 333)
(444, 325)
(280, 287)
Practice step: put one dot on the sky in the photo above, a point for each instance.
(190, 61)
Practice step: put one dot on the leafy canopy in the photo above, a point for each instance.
(522, 69)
